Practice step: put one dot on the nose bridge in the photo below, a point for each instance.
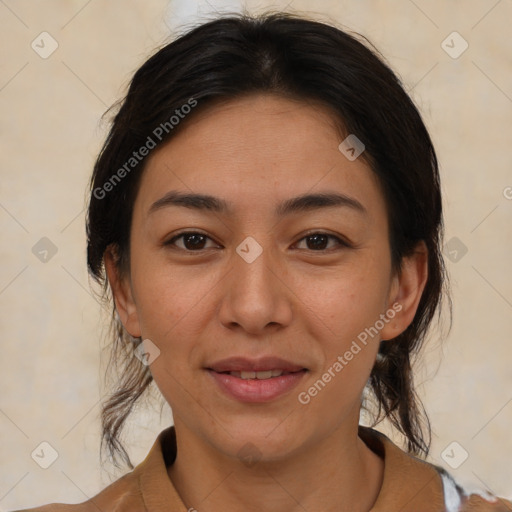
(252, 267)
(255, 296)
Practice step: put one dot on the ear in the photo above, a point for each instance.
(406, 291)
(122, 293)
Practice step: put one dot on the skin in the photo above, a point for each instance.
(294, 301)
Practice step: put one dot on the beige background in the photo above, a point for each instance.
(51, 326)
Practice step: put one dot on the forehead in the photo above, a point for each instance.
(256, 150)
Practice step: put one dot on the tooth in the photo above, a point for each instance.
(264, 375)
(257, 375)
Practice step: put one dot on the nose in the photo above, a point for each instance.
(255, 295)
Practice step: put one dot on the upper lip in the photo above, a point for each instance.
(244, 364)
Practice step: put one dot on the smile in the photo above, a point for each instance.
(252, 386)
(259, 375)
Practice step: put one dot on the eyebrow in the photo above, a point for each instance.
(299, 204)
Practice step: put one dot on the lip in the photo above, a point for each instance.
(262, 364)
(256, 390)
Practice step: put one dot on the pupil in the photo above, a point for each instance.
(316, 239)
(198, 240)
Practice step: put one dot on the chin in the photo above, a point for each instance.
(259, 439)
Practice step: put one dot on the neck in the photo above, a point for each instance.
(339, 473)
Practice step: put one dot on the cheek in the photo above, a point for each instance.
(173, 309)
(349, 309)
(173, 303)
(348, 302)
(163, 292)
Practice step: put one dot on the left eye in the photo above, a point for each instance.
(320, 240)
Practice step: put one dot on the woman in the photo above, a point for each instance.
(266, 213)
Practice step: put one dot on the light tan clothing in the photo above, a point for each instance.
(409, 484)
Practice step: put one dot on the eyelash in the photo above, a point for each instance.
(340, 242)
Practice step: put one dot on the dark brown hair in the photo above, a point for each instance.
(297, 58)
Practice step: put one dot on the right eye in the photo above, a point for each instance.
(193, 241)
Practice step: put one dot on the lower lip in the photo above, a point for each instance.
(255, 390)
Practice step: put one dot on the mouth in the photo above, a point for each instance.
(260, 365)
(260, 380)
(261, 375)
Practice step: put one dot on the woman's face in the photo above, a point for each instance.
(267, 282)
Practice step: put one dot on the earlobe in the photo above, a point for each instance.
(122, 293)
(406, 291)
